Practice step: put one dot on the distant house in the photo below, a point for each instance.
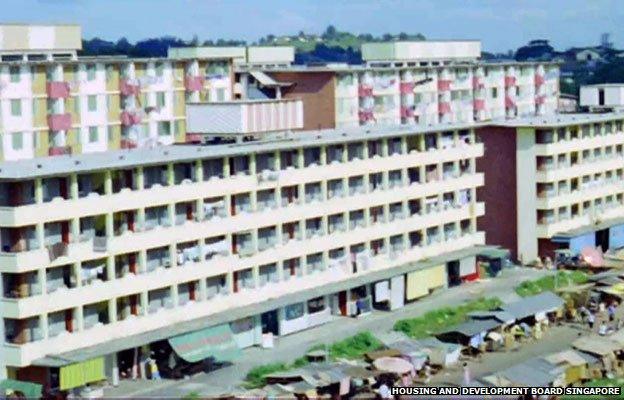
(588, 54)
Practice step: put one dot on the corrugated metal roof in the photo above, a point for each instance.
(533, 372)
(473, 327)
(529, 306)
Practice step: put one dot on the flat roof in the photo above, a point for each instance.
(332, 67)
(588, 228)
(120, 159)
(111, 59)
(599, 85)
(226, 316)
(559, 120)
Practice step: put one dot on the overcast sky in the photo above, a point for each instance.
(499, 24)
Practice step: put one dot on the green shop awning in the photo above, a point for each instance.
(216, 341)
(29, 389)
(80, 374)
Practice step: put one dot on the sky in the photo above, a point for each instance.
(500, 24)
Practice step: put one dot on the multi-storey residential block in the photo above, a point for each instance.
(414, 83)
(553, 182)
(53, 102)
(111, 251)
(602, 96)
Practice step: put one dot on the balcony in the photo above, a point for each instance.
(365, 91)
(477, 83)
(245, 117)
(129, 88)
(128, 144)
(540, 100)
(444, 85)
(57, 90)
(59, 150)
(129, 118)
(510, 81)
(59, 122)
(479, 104)
(407, 112)
(366, 115)
(444, 107)
(194, 83)
(193, 138)
(509, 102)
(539, 80)
(406, 87)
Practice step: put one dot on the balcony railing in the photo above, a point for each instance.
(444, 107)
(477, 83)
(59, 150)
(407, 112)
(128, 144)
(57, 90)
(509, 102)
(365, 91)
(128, 88)
(539, 80)
(406, 87)
(510, 81)
(479, 104)
(59, 122)
(444, 85)
(194, 83)
(129, 118)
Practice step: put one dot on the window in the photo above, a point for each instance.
(15, 74)
(16, 107)
(494, 93)
(93, 134)
(161, 100)
(164, 128)
(92, 102)
(17, 140)
(316, 305)
(91, 72)
(294, 311)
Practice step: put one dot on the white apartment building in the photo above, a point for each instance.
(53, 102)
(554, 183)
(114, 250)
(418, 83)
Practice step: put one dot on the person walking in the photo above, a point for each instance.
(590, 320)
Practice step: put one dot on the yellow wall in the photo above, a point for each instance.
(69, 75)
(73, 140)
(42, 141)
(114, 107)
(114, 137)
(39, 80)
(416, 285)
(178, 75)
(40, 113)
(180, 131)
(112, 77)
(70, 107)
(179, 107)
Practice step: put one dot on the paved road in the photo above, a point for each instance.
(293, 346)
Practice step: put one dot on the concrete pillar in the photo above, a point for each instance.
(38, 191)
(110, 267)
(112, 310)
(226, 167)
(73, 186)
(110, 227)
(40, 233)
(108, 182)
(199, 171)
(252, 164)
(139, 178)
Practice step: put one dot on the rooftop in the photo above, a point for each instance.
(49, 166)
(559, 120)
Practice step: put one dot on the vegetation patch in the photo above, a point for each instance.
(437, 321)
(548, 283)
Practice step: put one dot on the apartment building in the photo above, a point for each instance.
(417, 83)
(53, 102)
(103, 253)
(552, 183)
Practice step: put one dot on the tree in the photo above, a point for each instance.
(330, 32)
(403, 36)
(194, 42)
